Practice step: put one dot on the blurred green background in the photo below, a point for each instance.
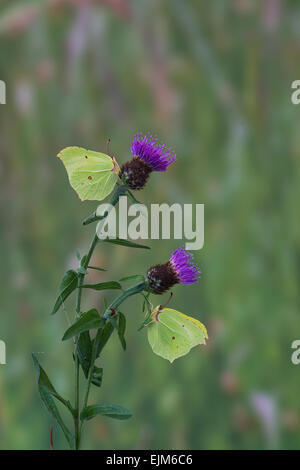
(212, 80)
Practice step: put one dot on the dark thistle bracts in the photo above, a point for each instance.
(148, 155)
(178, 270)
(135, 173)
(161, 278)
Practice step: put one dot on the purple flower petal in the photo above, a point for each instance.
(158, 156)
(187, 272)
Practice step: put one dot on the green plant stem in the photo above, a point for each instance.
(121, 189)
(127, 293)
(115, 304)
(91, 370)
(77, 376)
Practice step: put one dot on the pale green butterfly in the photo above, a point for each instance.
(172, 334)
(93, 175)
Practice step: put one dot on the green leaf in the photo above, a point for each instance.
(112, 411)
(146, 303)
(123, 242)
(52, 408)
(82, 261)
(44, 381)
(121, 329)
(102, 286)
(41, 375)
(88, 321)
(67, 286)
(96, 268)
(146, 306)
(135, 277)
(104, 336)
(84, 351)
(97, 376)
(145, 323)
(46, 389)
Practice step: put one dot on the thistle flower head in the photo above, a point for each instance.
(148, 156)
(156, 155)
(178, 270)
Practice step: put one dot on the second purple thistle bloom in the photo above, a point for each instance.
(148, 155)
(178, 270)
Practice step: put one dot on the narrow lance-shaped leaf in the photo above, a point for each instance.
(97, 268)
(84, 351)
(134, 278)
(145, 323)
(147, 308)
(103, 286)
(46, 391)
(82, 269)
(123, 242)
(83, 260)
(88, 321)
(121, 329)
(44, 381)
(67, 286)
(52, 408)
(112, 411)
(104, 337)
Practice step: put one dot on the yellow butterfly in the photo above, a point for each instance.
(172, 334)
(93, 175)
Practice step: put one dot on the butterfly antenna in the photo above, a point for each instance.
(163, 306)
(107, 147)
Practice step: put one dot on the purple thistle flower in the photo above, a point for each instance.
(157, 156)
(178, 270)
(187, 272)
(148, 156)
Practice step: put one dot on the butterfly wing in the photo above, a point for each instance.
(172, 334)
(92, 175)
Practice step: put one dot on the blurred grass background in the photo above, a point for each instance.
(212, 80)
